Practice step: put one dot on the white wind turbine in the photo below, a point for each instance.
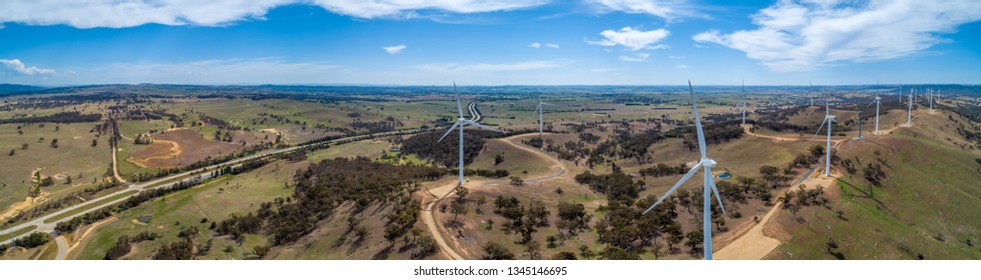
(878, 103)
(708, 185)
(909, 115)
(743, 101)
(812, 91)
(461, 122)
(931, 100)
(541, 111)
(830, 120)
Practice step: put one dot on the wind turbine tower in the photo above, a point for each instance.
(744, 101)
(909, 115)
(541, 108)
(709, 186)
(830, 120)
(460, 123)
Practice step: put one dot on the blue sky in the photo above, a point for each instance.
(479, 42)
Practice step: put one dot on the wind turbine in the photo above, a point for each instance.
(709, 183)
(743, 101)
(900, 95)
(541, 110)
(812, 90)
(461, 122)
(909, 115)
(830, 120)
(878, 103)
(931, 101)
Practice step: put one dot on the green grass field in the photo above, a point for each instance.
(215, 200)
(919, 212)
(74, 156)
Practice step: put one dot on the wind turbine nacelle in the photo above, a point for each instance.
(709, 163)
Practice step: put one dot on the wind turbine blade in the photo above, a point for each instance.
(698, 122)
(870, 104)
(548, 104)
(819, 128)
(482, 126)
(449, 130)
(718, 197)
(675, 187)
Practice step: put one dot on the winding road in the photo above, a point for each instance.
(202, 173)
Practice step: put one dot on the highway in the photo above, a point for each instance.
(202, 173)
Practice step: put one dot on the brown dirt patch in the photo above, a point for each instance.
(180, 147)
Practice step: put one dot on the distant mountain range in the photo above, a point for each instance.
(12, 88)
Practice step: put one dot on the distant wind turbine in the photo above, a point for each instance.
(830, 120)
(461, 122)
(931, 100)
(878, 103)
(909, 115)
(743, 101)
(541, 111)
(709, 186)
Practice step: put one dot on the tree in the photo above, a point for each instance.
(572, 218)
(517, 181)
(95, 142)
(426, 247)
(537, 214)
(461, 193)
(564, 255)
(480, 202)
(458, 208)
(694, 240)
(586, 252)
(24, 146)
(12, 152)
(54, 143)
(534, 250)
(831, 245)
(260, 251)
(392, 232)
(498, 159)
(495, 251)
(816, 150)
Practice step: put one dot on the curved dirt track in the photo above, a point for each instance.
(446, 190)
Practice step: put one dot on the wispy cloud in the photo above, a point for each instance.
(547, 45)
(17, 66)
(551, 45)
(681, 66)
(666, 9)
(492, 67)
(632, 39)
(535, 45)
(394, 49)
(798, 36)
(637, 57)
(129, 13)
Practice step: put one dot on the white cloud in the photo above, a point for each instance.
(19, 67)
(638, 57)
(535, 45)
(551, 45)
(681, 66)
(633, 39)
(129, 13)
(797, 36)
(676, 57)
(394, 49)
(492, 67)
(666, 9)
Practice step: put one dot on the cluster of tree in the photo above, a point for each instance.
(661, 170)
(874, 174)
(225, 137)
(61, 117)
(498, 173)
(124, 244)
(91, 217)
(572, 219)
(635, 146)
(520, 219)
(446, 152)
(323, 186)
(795, 200)
(178, 250)
(31, 241)
(143, 139)
(375, 127)
(715, 133)
(219, 123)
(617, 186)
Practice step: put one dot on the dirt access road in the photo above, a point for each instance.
(557, 170)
